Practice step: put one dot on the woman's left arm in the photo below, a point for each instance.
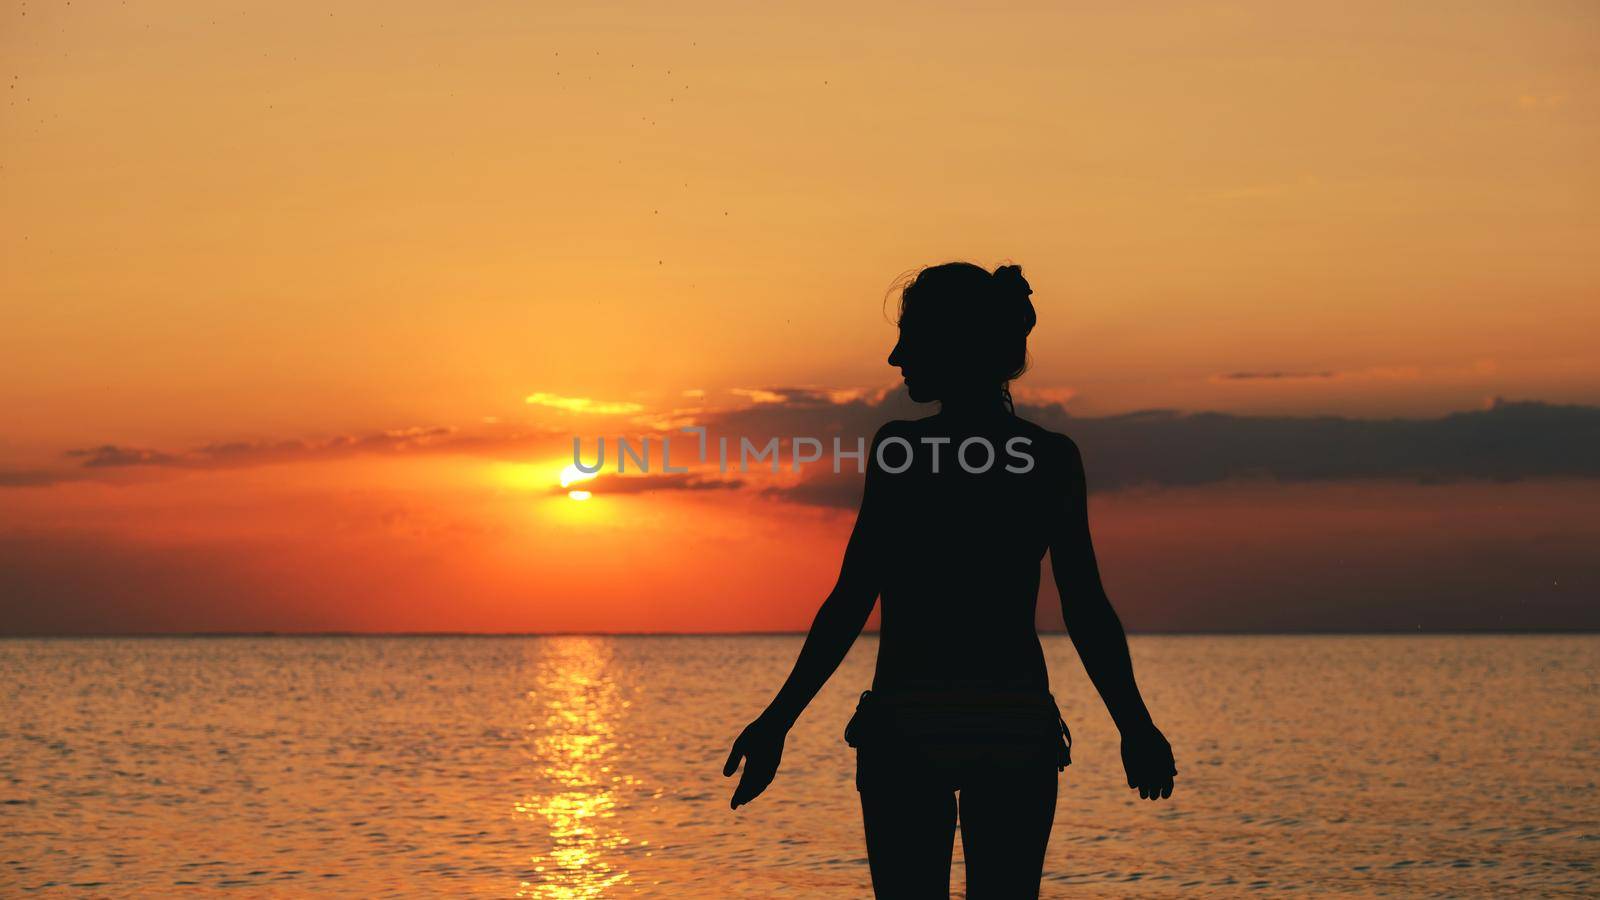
(1097, 633)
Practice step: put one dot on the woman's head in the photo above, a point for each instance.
(963, 332)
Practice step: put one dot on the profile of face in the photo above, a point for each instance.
(925, 367)
(963, 331)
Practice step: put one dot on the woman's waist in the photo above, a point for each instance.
(1017, 674)
(959, 712)
(959, 697)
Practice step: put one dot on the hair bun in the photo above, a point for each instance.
(1010, 278)
(1013, 287)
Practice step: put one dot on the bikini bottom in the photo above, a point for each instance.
(955, 738)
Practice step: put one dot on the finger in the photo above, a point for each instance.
(749, 788)
(750, 785)
(732, 765)
(1144, 792)
(1166, 790)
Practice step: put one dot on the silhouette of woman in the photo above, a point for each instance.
(956, 515)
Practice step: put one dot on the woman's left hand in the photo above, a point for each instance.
(1147, 758)
(761, 747)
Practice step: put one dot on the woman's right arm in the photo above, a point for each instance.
(837, 625)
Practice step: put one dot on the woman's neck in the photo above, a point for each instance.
(986, 404)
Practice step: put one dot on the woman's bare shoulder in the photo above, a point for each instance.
(901, 428)
(1053, 445)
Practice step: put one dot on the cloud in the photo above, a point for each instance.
(238, 454)
(30, 477)
(1378, 372)
(854, 411)
(608, 485)
(583, 405)
(109, 456)
(790, 396)
(822, 489)
(1043, 396)
(759, 395)
(1506, 441)
(1274, 376)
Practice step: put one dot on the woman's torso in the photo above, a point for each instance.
(961, 556)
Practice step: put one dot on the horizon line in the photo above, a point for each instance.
(155, 635)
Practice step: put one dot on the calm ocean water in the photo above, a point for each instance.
(589, 766)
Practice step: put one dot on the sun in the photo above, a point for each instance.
(572, 475)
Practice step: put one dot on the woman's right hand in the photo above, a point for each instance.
(1147, 758)
(761, 747)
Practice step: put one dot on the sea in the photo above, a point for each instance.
(590, 766)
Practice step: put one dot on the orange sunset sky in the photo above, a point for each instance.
(303, 304)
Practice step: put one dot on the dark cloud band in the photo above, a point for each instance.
(1507, 441)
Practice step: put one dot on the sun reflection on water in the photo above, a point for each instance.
(574, 741)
